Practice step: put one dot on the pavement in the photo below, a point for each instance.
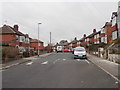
(21, 61)
(109, 67)
(58, 70)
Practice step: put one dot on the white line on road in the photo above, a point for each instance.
(64, 59)
(2, 70)
(78, 59)
(29, 63)
(55, 61)
(87, 61)
(45, 62)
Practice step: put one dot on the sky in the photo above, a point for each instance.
(65, 20)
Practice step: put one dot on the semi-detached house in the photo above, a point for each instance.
(11, 36)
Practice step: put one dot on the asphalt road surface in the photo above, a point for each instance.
(58, 70)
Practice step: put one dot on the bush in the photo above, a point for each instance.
(9, 52)
(26, 54)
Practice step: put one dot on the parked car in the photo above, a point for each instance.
(66, 50)
(79, 52)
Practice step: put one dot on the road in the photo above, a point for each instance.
(58, 70)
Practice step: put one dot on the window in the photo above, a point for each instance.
(102, 30)
(88, 39)
(95, 42)
(27, 40)
(95, 36)
(114, 21)
(98, 42)
(98, 35)
(22, 39)
(102, 39)
(17, 37)
(114, 35)
(105, 38)
(39, 44)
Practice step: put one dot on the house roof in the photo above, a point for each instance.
(74, 41)
(114, 14)
(7, 29)
(82, 39)
(63, 42)
(10, 30)
(91, 35)
(34, 40)
(107, 24)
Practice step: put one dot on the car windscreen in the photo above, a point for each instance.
(80, 49)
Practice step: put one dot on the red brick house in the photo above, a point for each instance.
(106, 32)
(74, 43)
(82, 41)
(97, 38)
(34, 45)
(11, 36)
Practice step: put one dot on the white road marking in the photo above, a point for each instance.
(45, 62)
(87, 61)
(29, 63)
(2, 70)
(116, 82)
(78, 59)
(64, 59)
(55, 61)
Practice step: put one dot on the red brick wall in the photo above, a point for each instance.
(83, 43)
(92, 40)
(7, 38)
(35, 45)
(108, 32)
(10, 39)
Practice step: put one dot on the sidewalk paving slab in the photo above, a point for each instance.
(108, 66)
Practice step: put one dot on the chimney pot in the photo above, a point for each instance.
(16, 27)
(84, 35)
(94, 30)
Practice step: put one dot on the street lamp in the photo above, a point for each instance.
(38, 39)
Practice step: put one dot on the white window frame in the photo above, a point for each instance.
(22, 38)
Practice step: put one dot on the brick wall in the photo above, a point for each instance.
(10, 39)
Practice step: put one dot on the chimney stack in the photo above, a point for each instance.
(94, 30)
(84, 35)
(27, 35)
(75, 38)
(16, 27)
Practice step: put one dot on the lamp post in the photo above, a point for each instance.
(38, 39)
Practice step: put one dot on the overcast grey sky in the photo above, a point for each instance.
(65, 20)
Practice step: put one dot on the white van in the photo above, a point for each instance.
(59, 49)
(80, 52)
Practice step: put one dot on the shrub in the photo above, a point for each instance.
(9, 52)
